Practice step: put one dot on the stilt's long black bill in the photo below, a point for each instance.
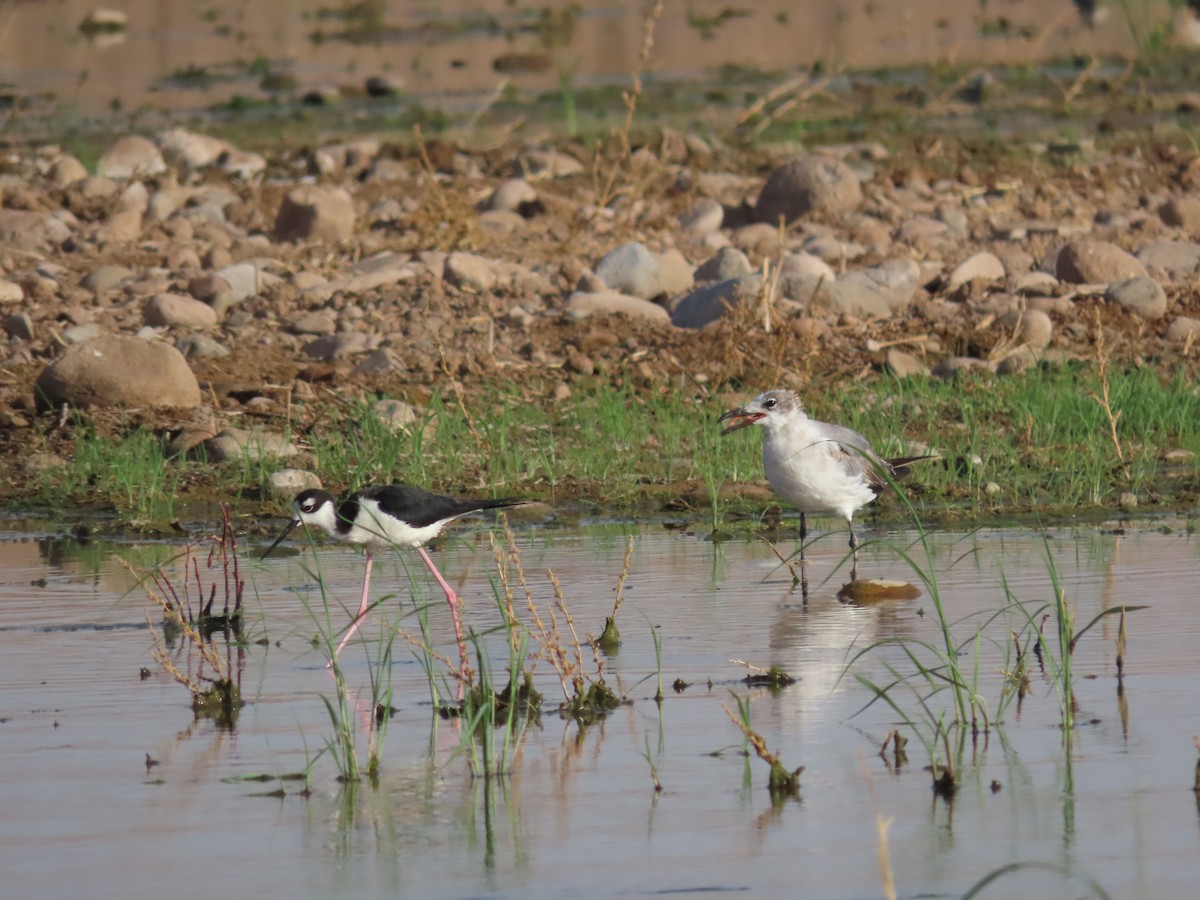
(292, 524)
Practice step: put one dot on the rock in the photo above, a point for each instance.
(674, 273)
(705, 217)
(586, 303)
(1182, 212)
(631, 269)
(729, 262)
(10, 292)
(1141, 296)
(241, 163)
(118, 371)
(548, 164)
(31, 231)
(177, 310)
(708, 304)
(903, 365)
(513, 195)
(953, 365)
(201, 347)
(19, 326)
(1041, 284)
(132, 156)
(285, 484)
(124, 223)
(105, 277)
(469, 272)
(314, 213)
(247, 446)
(881, 291)
(1183, 329)
(320, 322)
(78, 334)
(246, 279)
(983, 266)
(190, 150)
(808, 184)
(337, 346)
(1096, 262)
(1173, 261)
(396, 415)
(65, 171)
(1030, 328)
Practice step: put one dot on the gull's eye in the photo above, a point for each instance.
(770, 404)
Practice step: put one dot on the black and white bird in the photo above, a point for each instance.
(818, 467)
(393, 515)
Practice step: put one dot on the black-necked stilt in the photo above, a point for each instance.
(815, 466)
(394, 515)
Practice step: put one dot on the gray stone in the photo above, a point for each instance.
(10, 292)
(321, 322)
(1030, 328)
(1172, 261)
(631, 269)
(903, 365)
(729, 262)
(106, 277)
(1183, 329)
(65, 171)
(32, 231)
(807, 184)
(19, 326)
(984, 266)
(118, 371)
(470, 272)
(1182, 212)
(1038, 283)
(78, 334)
(190, 150)
(396, 415)
(1141, 296)
(512, 195)
(705, 217)
(674, 273)
(952, 366)
(246, 445)
(882, 290)
(285, 484)
(585, 303)
(1096, 262)
(132, 156)
(315, 213)
(337, 346)
(177, 310)
(707, 304)
(201, 347)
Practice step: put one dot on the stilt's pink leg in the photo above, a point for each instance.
(362, 606)
(452, 599)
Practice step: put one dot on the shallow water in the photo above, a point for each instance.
(578, 816)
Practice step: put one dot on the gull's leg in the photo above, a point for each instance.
(803, 534)
(362, 605)
(452, 599)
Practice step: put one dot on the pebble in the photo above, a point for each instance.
(1096, 262)
(806, 184)
(118, 371)
(470, 272)
(247, 445)
(1183, 329)
(200, 346)
(19, 326)
(631, 269)
(132, 156)
(10, 292)
(512, 195)
(1030, 328)
(1182, 212)
(587, 303)
(903, 365)
(707, 304)
(314, 213)
(879, 291)
(729, 262)
(705, 217)
(984, 266)
(1172, 261)
(178, 310)
(1140, 295)
(284, 484)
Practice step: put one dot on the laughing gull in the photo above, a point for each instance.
(815, 466)
(393, 515)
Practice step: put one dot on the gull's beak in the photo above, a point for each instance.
(741, 418)
(292, 524)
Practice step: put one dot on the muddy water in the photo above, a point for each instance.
(578, 816)
(183, 55)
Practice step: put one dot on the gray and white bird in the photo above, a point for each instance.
(818, 467)
(393, 515)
